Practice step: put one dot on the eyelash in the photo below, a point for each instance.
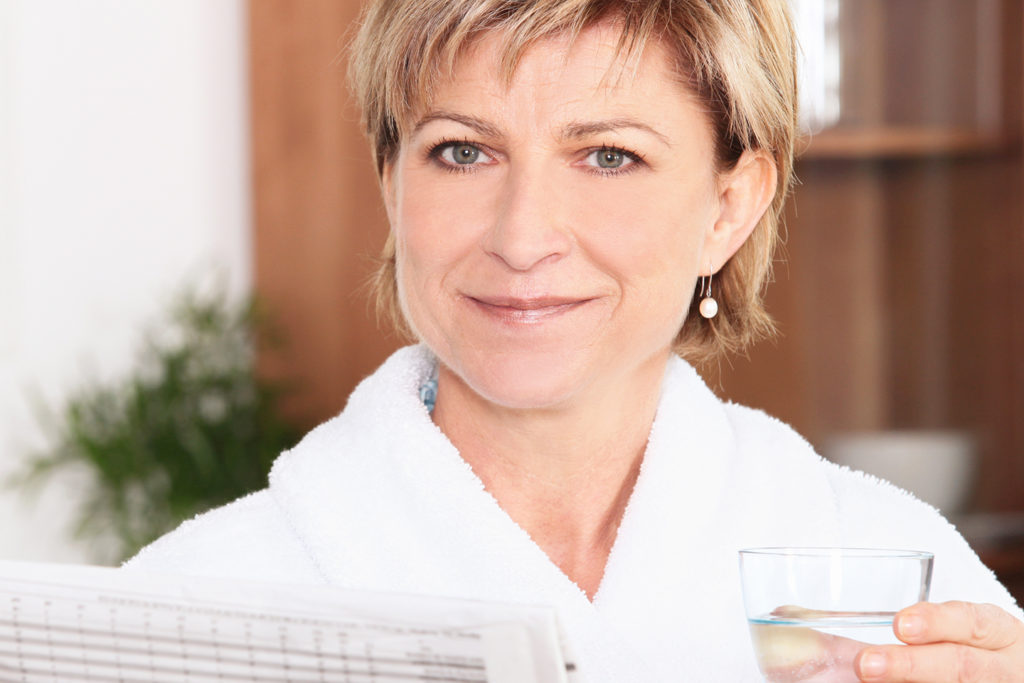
(637, 160)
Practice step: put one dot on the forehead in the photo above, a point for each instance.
(597, 66)
(601, 46)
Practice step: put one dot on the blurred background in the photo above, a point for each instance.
(146, 146)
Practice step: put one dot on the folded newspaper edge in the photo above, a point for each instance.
(80, 622)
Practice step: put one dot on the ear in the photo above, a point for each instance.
(745, 193)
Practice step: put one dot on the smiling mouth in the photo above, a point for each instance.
(526, 311)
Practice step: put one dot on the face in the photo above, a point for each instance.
(550, 232)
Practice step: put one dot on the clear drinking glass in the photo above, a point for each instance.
(811, 610)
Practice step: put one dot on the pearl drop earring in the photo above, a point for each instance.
(708, 305)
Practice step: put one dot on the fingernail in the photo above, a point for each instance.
(910, 626)
(872, 664)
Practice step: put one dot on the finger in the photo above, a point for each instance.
(937, 663)
(787, 655)
(967, 623)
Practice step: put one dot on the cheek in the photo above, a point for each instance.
(425, 229)
(415, 234)
(650, 240)
(436, 227)
(439, 215)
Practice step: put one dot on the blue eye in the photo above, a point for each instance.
(610, 159)
(461, 154)
(464, 154)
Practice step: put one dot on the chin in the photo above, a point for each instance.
(524, 381)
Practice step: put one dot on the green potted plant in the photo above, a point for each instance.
(191, 427)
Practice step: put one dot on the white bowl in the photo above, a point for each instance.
(936, 466)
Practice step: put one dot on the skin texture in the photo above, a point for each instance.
(551, 288)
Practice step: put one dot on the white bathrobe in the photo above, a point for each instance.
(377, 498)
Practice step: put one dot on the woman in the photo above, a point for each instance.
(573, 188)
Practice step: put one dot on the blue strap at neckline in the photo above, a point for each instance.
(428, 391)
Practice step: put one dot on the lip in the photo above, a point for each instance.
(530, 310)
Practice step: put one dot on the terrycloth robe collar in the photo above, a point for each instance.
(382, 500)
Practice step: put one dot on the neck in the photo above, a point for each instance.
(563, 473)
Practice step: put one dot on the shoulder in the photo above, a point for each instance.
(877, 513)
(771, 443)
(771, 448)
(864, 502)
(696, 412)
(871, 512)
(751, 424)
(248, 538)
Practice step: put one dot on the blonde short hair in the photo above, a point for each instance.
(740, 60)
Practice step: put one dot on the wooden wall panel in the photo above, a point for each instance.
(318, 218)
(986, 391)
(901, 303)
(918, 280)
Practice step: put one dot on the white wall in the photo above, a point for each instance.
(123, 173)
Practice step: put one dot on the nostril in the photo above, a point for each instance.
(526, 258)
(522, 246)
(528, 230)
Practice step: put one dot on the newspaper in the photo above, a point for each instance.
(82, 623)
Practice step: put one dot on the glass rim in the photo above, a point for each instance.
(839, 551)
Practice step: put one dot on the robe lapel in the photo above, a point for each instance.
(715, 478)
(383, 501)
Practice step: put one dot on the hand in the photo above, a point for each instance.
(954, 642)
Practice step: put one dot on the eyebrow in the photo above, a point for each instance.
(479, 125)
(572, 131)
(582, 129)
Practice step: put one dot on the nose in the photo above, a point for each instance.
(528, 230)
